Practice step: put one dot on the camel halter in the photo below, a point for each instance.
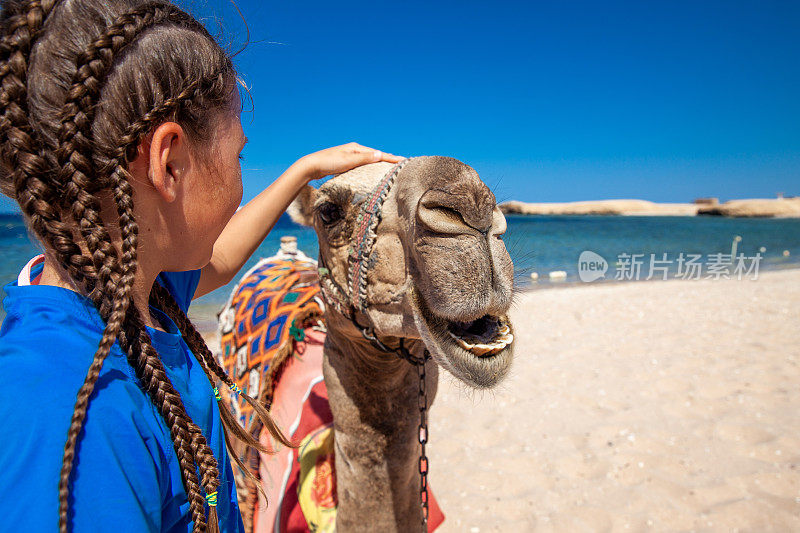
(354, 298)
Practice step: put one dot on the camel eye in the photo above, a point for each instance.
(329, 213)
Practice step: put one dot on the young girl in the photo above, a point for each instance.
(120, 140)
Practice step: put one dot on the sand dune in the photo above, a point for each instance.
(648, 406)
(756, 207)
(600, 207)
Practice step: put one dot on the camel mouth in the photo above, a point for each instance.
(478, 352)
(483, 337)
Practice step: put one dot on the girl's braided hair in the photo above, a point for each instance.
(81, 84)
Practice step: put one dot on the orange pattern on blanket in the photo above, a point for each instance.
(265, 313)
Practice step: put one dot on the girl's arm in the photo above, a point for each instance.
(250, 225)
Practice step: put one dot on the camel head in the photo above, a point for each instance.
(415, 251)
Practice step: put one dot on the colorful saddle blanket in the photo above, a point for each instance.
(272, 342)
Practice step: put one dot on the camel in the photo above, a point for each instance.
(414, 276)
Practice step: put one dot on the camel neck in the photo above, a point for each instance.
(374, 400)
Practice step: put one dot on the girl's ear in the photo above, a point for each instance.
(301, 210)
(169, 160)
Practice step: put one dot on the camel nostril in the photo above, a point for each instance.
(443, 219)
(448, 213)
(454, 215)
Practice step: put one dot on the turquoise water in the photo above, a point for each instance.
(537, 244)
(545, 243)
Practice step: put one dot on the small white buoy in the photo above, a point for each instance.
(534, 276)
(762, 249)
(558, 275)
(786, 253)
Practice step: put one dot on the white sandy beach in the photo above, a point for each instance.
(647, 406)
(643, 406)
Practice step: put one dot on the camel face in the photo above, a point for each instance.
(437, 270)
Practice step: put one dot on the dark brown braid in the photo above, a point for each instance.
(187, 438)
(162, 299)
(194, 338)
(82, 144)
(149, 369)
(20, 155)
(23, 163)
(193, 449)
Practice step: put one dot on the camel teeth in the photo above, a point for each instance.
(461, 342)
(506, 338)
(482, 349)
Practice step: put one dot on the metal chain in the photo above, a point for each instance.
(423, 439)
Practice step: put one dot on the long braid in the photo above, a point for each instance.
(198, 346)
(189, 444)
(76, 170)
(148, 367)
(164, 301)
(184, 448)
(20, 148)
(21, 153)
(193, 449)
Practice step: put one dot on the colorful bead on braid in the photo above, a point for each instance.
(216, 394)
(235, 389)
(212, 499)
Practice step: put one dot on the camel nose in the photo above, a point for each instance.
(458, 210)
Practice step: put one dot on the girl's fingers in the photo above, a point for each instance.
(383, 156)
(342, 158)
(377, 155)
(372, 155)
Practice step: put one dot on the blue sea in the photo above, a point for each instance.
(542, 244)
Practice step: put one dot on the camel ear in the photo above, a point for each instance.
(301, 210)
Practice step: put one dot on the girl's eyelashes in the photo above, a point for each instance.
(241, 157)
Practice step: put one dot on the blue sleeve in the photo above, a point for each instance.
(182, 286)
(118, 487)
(118, 469)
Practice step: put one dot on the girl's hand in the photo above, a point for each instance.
(340, 159)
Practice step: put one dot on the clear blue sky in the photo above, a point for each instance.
(549, 101)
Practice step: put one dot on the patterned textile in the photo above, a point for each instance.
(260, 325)
(265, 314)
